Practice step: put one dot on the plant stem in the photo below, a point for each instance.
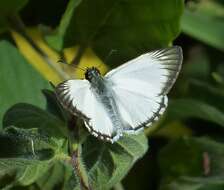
(18, 26)
(76, 154)
(76, 166)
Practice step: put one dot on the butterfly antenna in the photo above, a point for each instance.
(62, 60)
(75, 66)
(113, 51)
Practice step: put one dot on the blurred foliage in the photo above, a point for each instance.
(89, 58)
(203, 171)
(204, 20)
(122, 25)
(7, 9)
(17, 76)
(186, 145)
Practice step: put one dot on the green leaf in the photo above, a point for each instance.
(197, 65)
(195, 183)
(28, 116)
(26, 152)
(19, 81)
(59, 176)
(57, 39)
(192, 163)
(218, 75)
(11, 6)
(207, 93)
(8, 8)
(107, 163)
(207, 17)
(181, 109)
(53, 106)
(16, 142)
(130, 27)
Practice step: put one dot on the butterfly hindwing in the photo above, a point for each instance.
(138, 111)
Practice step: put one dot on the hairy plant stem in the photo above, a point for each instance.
(18, 25)
(79, 170)
(76, 154)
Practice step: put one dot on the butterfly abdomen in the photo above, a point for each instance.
(105, 96)
(109, 105)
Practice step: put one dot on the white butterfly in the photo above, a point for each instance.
(127, 98)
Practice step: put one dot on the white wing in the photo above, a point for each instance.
(78, 98)
(140, 85)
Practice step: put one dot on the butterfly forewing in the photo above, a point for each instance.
(79, 99)
(155, 72)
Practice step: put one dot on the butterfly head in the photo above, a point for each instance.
(92, 73)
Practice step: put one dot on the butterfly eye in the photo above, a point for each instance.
(88, 74)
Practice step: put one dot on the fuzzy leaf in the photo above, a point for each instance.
(25, 116)
(26, 154)
(107, 164)
(59, 175)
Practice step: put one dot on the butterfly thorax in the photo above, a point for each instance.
(96, 80)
